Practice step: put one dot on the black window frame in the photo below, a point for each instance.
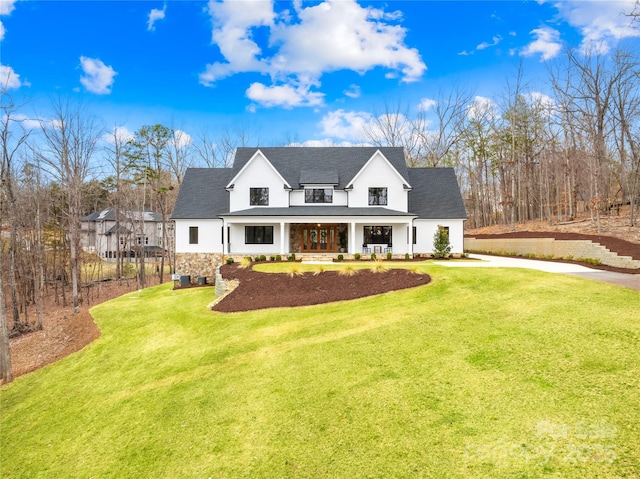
(318, 195)
(193, 235)
(258, 234)
(378, 196)
(378, 234)
(259, 196)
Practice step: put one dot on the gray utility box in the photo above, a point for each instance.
(185, 280)
(202, 280)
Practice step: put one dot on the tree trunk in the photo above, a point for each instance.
(6, 371)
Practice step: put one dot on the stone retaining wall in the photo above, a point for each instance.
(198, 264)
(550, 248)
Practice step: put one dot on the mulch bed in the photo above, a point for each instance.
(271, 290)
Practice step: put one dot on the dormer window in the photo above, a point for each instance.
(377, 196)
(318, 195)
(259, 196)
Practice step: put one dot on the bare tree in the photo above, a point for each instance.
(115, 151)
(394, 127)
(6, 371)
(591, 83)
(450, 109)
(13, 138)
(69, 142)
(218, 151)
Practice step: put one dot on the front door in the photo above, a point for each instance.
(319, 238)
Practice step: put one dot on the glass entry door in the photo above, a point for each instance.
(319, 238)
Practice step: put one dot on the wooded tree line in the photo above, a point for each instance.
(531, 156)
(520, 156)
(56, 171)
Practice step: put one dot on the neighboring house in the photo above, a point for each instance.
(100, 234)
(313, 200)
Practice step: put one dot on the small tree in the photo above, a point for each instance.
(441, 245)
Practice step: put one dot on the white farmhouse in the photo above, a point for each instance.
(278, 201)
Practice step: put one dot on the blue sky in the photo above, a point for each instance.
(315, 71)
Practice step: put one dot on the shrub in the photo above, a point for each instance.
(407, 257)
(257, 258)
(357, 256)
(320, 269)
(229, 260)
(378, 267)
(291, 257)
(373, 256)
(441, 245)
(340, 257)
(593, 261)
(272, 258)
(348, 270)
(294, 270)
(389, 255)
(278, 257)
(263, 257)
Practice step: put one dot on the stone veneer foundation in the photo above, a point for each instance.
(198, 264)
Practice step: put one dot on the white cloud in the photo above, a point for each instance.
(345, 125)
(286, 96)
(484, 45)
(602, 24)
(353, 91)
(26, 122)
(307, 42)
(122, 133)
(481, 107)
(354, 127)
(154, 15)
(9, 79)
(98, 77)
(181, 139)
(6, 7)
(547, 43)
(541, 99)
(426, 104)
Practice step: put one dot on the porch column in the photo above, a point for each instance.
(282, 242)
(352, 238)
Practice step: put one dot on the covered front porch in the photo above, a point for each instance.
(329, 236)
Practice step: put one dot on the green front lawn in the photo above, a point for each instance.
(482, 373)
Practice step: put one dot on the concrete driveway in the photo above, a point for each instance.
(621, 279)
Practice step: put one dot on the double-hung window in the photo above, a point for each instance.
(377, 196)
(259, 196)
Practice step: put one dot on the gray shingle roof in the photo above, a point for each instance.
(109, 214)
(319, 177)
(346, 162)
(435, 194)
(202, 194)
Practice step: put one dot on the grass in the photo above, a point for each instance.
(482, 373)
